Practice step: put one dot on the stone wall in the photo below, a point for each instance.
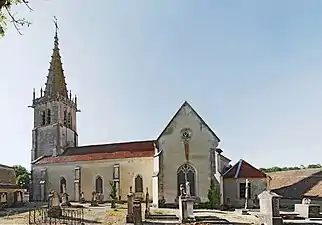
(90, 170)
(231, 190)
(173, 154)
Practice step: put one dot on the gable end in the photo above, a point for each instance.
(199, 117)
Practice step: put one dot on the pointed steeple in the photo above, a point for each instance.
(56, 84)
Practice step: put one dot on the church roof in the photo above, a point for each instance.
(100, 152)
(56, 84)
(192, 109)
(243, 169)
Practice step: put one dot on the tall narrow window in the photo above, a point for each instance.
(69, 120)
(242, 190)
(99, 185)
(43, 118)
(65, 117)
(116, 171)
(48, 116)
(186, 173)
(62, 185)
(138, 184)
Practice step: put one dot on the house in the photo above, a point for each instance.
(294, 185)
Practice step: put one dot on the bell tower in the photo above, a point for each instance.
(54, 112)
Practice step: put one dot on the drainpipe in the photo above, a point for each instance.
(220, 177)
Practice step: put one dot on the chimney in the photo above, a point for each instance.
(218, 152)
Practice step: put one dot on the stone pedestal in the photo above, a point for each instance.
(307, 210)
(137, 212)
(269, 208)
(186, 209)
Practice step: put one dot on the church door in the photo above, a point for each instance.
(186, 173)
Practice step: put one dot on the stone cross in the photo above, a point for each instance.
(129, 216)
(246, 193)
(147, 204)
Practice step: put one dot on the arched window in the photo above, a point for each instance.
(69, 120)
(62, 185)
(186, 173)
(43, 118)
(138, 184)
(48, 116)
(99, 185)
(65, 117)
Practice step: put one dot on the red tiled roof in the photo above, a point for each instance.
(243, 169)
(100, 152)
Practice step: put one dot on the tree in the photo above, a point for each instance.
(23, 177)
(23, 180)
(113, 193)
(277, 169)
(7, 16)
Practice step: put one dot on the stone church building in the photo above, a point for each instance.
(187, 149)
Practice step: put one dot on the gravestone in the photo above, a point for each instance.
(269, 208)
(307, 210)
(137, 212)
(54, 205)
(147, 204)
(100, 198)
(65, 201)
(129, 216)
(94, 199)
(82, 198)
(64, 197)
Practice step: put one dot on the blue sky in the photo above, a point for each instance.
(252, 69)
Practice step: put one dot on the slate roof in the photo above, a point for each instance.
(243, 169)
(296, 184)
(101, 152)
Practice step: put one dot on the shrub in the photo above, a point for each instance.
(214, 196)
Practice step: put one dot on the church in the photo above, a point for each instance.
(186, 150)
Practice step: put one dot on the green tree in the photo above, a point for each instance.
(23, 180)
(23, 177)
(7, 16)
(214, 196)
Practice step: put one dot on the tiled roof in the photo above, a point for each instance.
(100, 152)
(7, 176)
(297, 184)
(243, 169)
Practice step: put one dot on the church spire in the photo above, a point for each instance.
(56, 84)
